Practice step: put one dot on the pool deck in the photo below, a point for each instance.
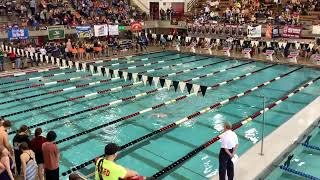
(251, 165)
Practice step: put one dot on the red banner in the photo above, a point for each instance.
(136, 26)
(291, 31)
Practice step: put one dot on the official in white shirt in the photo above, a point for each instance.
(229, 145)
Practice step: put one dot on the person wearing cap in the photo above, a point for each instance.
(229, 145)
(107, 169)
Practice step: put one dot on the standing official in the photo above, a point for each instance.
(229, 145)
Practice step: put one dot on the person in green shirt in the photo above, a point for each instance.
(107, 169)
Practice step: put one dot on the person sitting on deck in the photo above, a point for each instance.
(107, 169)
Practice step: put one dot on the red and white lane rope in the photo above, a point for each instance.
(62, 90)
(151, 63)
(210, 74)
(49, 83)
(173, 124)
(21, 73)
(236, 126)
(75, 98)
(38, 77)
(94, 68)
(125, 62)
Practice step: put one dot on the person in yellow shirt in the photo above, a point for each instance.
(107, 169)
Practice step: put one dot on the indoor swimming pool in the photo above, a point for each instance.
(155, 126)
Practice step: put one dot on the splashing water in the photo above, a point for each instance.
(251, 134)
(208, 168)
(218, 120)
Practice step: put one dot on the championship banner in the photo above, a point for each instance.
(56, 32)
(136, 26)
(316, 29)
(113, 30)
(84, 31)
(254, 31)
(291, 31)
(16, 33)
(100, 30)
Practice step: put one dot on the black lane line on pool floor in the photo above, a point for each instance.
(192, 153)
(149, 109)
(60, 90)
(175, 124)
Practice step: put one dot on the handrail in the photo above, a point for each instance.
(190, 4)
(140, 4)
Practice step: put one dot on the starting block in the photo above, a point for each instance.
(247, 52)
(269, 54)
(227, 51)
(292, 57)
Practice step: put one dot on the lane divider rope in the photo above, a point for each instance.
(49, 83)
(75, 168)
(30, 72)
(39, 77)
(311, 146)
(152, 63)
(62, 90)
(74, 98)
(298, 173)
(235, 127)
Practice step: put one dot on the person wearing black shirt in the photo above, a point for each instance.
(21, 136)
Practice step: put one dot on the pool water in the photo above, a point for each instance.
(153, 154)
(305, 160)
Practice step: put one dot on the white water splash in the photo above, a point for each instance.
(296, 160)
(218, 120)
(251, 134)
(301, 163)
(208, 168)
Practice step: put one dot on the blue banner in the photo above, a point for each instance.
(17, 34)
(84, 31)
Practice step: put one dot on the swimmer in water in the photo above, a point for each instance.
(159, 115)
(173, 68)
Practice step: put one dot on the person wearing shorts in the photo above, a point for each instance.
(51, 156)
(36, 147)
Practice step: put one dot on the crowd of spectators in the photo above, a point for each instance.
(76, 12)
(253, 11)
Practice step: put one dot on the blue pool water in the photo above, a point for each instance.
(152, 155)
(305, 160)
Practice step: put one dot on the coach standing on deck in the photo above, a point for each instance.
(229, 145)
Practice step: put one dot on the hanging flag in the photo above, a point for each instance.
(156, 81)
(107, 71)
(189, 87)
(100, 70)
(125, 75)
(196, 88)
(116, 72)
(150, 78)
(162, 81)
(182, 85)
(168, 83)
(92, 69)
(130, 76)
(203, 90)
(134, 77)
(144, 79)
(175, 85)
(56, 32)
